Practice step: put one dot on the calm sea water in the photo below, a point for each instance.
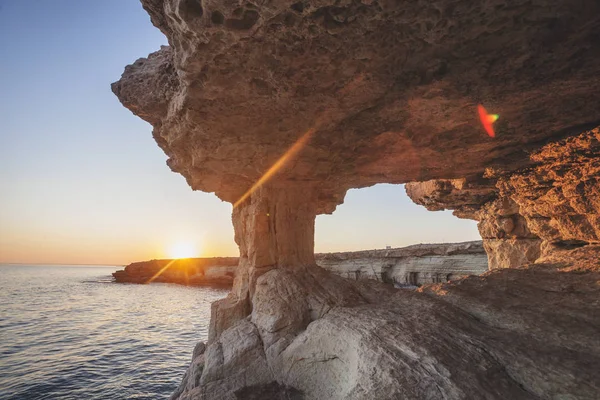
(71, 333)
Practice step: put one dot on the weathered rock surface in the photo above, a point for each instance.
(409, 266)
(218, 271)
(559, 196)
(389, 88)
(552, 206)
(509, 334)
(281, 107)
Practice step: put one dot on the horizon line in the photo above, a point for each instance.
(65, 264)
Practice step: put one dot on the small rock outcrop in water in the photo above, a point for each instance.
(217, 271)
(281, 107)
(410, 266)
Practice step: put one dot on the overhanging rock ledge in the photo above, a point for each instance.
(364, 92)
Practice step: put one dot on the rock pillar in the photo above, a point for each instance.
(274, 228)
(507, 238)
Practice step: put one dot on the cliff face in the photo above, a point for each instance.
(540, 214)
(281, 107)
(410, 266)
(218, 271)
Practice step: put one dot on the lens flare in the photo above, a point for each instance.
(159, 273)
(487, 120)
(289, 154)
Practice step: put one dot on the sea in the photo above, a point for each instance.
(70, 332)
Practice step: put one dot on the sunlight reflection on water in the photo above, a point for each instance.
(70, 333)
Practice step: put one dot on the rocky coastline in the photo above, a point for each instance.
(281, 107)
(217, 271)
(410, 266)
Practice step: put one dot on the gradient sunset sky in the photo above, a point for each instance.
(81, 178)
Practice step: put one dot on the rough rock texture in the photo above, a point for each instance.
(510, 334)
(390, 88)
(553, 206)
(218, 271)
(406, 266)
(280, 107)
(559, 197)
(409, 266)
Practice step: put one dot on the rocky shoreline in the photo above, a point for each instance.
(410, 266)
(281, 107)
(217, 271)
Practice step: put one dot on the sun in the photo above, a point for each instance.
(183, 250)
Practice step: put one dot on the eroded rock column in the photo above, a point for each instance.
(274, 228)
(507, 238)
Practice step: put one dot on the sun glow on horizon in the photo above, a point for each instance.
(183, 250)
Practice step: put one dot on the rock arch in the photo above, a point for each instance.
(281, 109)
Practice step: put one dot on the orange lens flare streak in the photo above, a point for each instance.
(159, 273)
(290, 153)
(487, 120)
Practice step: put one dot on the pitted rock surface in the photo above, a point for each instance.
(386, 91)
(390, 88)
(526, 216)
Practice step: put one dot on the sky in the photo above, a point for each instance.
(83, 182)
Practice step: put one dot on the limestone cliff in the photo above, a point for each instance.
(410, 266)
(280, 107)
(536, 215)
(217, 271)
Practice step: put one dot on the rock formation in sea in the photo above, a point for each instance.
(216, 271)
(281, 107)
(410, 266)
